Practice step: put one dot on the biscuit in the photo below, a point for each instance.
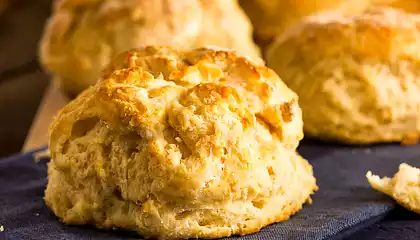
(404, 187)
(81, 37)
(178, 144)
(357, 77)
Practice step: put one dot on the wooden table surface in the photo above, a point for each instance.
(51, 104)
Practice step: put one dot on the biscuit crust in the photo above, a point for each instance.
(179, 144)
(357, 77)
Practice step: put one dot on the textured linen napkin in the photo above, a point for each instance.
(344, 207)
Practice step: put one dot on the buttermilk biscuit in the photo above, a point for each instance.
(404, 187)
(180, 144)
(81, 37)
(357, 77)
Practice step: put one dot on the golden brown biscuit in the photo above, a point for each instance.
(180, 144)
(357, 77)
(404, 187)
(81, 37)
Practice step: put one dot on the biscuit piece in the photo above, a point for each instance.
(180, 144)
(357, 77)
(224, 24)
(404, 187)
(81, 37)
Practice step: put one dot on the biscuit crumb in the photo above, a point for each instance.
(310, 55)
(404, 187)
(38, 156)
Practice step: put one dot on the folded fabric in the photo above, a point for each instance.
(344, 207)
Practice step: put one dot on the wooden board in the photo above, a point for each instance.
(51, 104)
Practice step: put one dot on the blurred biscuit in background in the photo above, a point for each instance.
(226, 25)
(272, 17)
(82, 36)
(357, 77)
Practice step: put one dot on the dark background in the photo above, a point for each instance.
(22, 81)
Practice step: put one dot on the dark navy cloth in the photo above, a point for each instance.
(345, 207)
